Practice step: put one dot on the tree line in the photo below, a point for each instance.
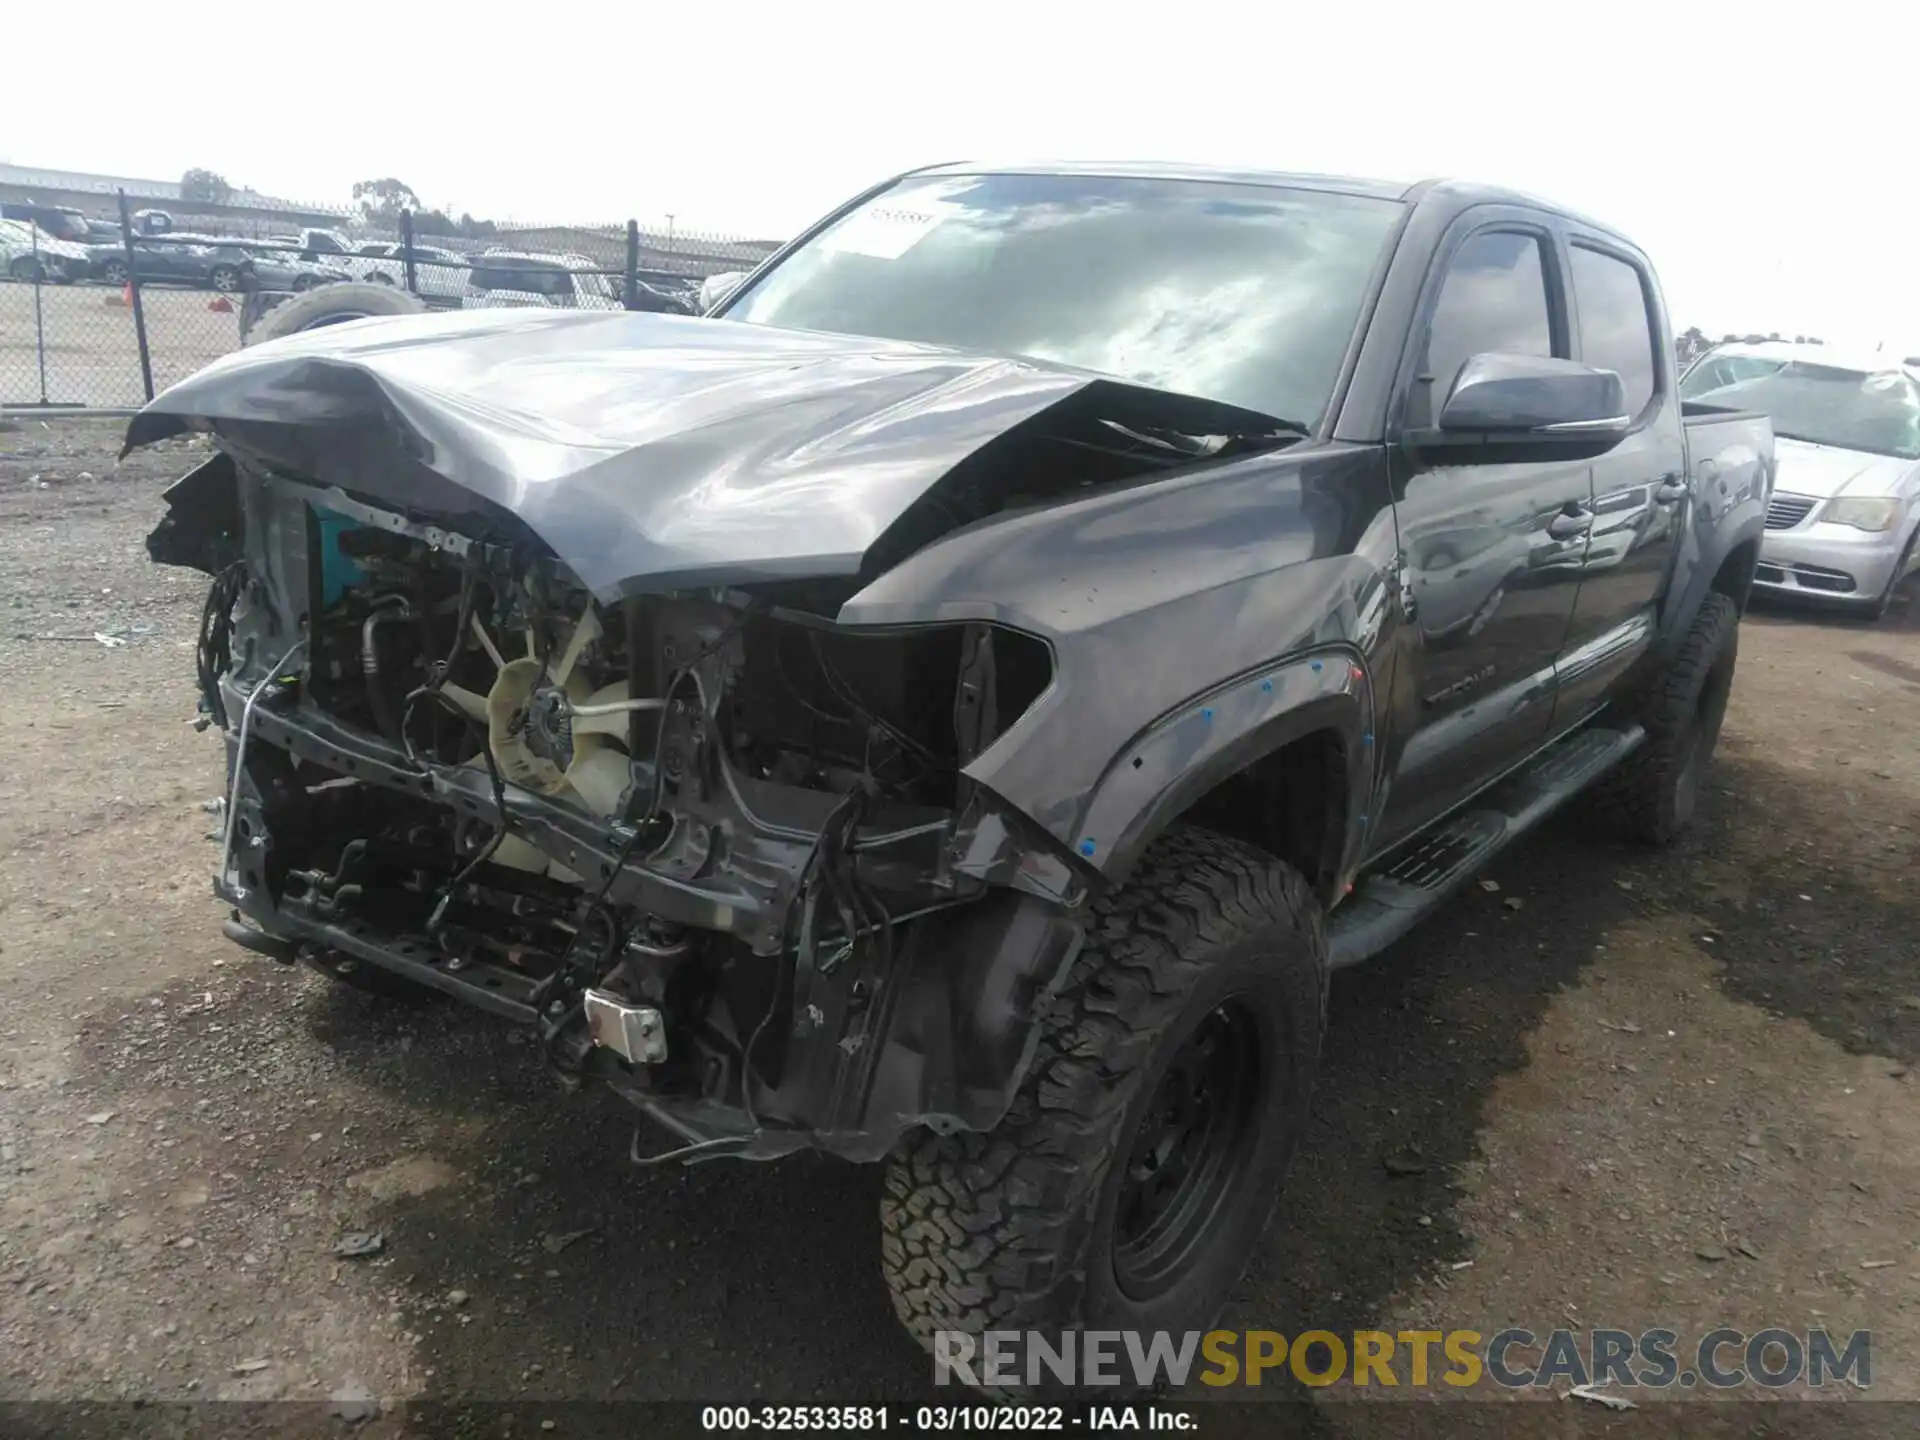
(379, 202)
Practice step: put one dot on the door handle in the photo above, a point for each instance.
(1670, 489)
(1569, 523)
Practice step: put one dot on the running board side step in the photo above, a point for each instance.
(1387, 903)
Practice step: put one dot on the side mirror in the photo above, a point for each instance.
(1532, 402)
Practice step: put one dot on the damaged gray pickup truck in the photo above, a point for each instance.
(955, 705)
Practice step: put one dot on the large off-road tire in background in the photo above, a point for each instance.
(332, 305)
(1652, 794)
(1139, 1162)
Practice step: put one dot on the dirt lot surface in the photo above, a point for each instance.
(75, 344)
(1657, 1090)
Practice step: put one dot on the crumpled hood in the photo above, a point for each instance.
(649, 451)
(1824, 471)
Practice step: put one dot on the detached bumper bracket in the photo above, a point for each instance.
(636, 1033)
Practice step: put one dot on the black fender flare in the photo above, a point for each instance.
(1193, 748)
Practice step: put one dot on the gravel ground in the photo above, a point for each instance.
(75, 344)
(1648, 1062)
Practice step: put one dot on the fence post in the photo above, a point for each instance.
(632, 298)
(133, 289)
(406, 250)
(39, 320)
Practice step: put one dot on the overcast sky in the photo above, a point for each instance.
(1764, 157)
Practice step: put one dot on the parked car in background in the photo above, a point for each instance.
(656, 291)
(716, 288)
(384, 262)
(274, 269)
(437, 272)
(331, 243)
(501, 279)
(59, 221)
(1846, 504)
(205, 262)
(30, 254)
(682, 290)
(213, 262)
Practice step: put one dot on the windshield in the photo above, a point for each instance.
(1239, 293)
(1847, 409)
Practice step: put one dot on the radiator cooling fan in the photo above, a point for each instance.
(550, 732)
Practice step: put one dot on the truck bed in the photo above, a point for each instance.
(1734, 448)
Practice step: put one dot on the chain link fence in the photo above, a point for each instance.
(115, 309)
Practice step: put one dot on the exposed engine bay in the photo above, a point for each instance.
(745, 711)
(717, 851)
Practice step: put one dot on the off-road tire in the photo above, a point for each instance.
(1016, 1229)
(331, 305)
(1650, 797)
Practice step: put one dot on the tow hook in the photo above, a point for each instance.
(636, 1033)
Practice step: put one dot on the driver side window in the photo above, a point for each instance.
(1494, 297)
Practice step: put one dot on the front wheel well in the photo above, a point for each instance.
(1291, 803)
